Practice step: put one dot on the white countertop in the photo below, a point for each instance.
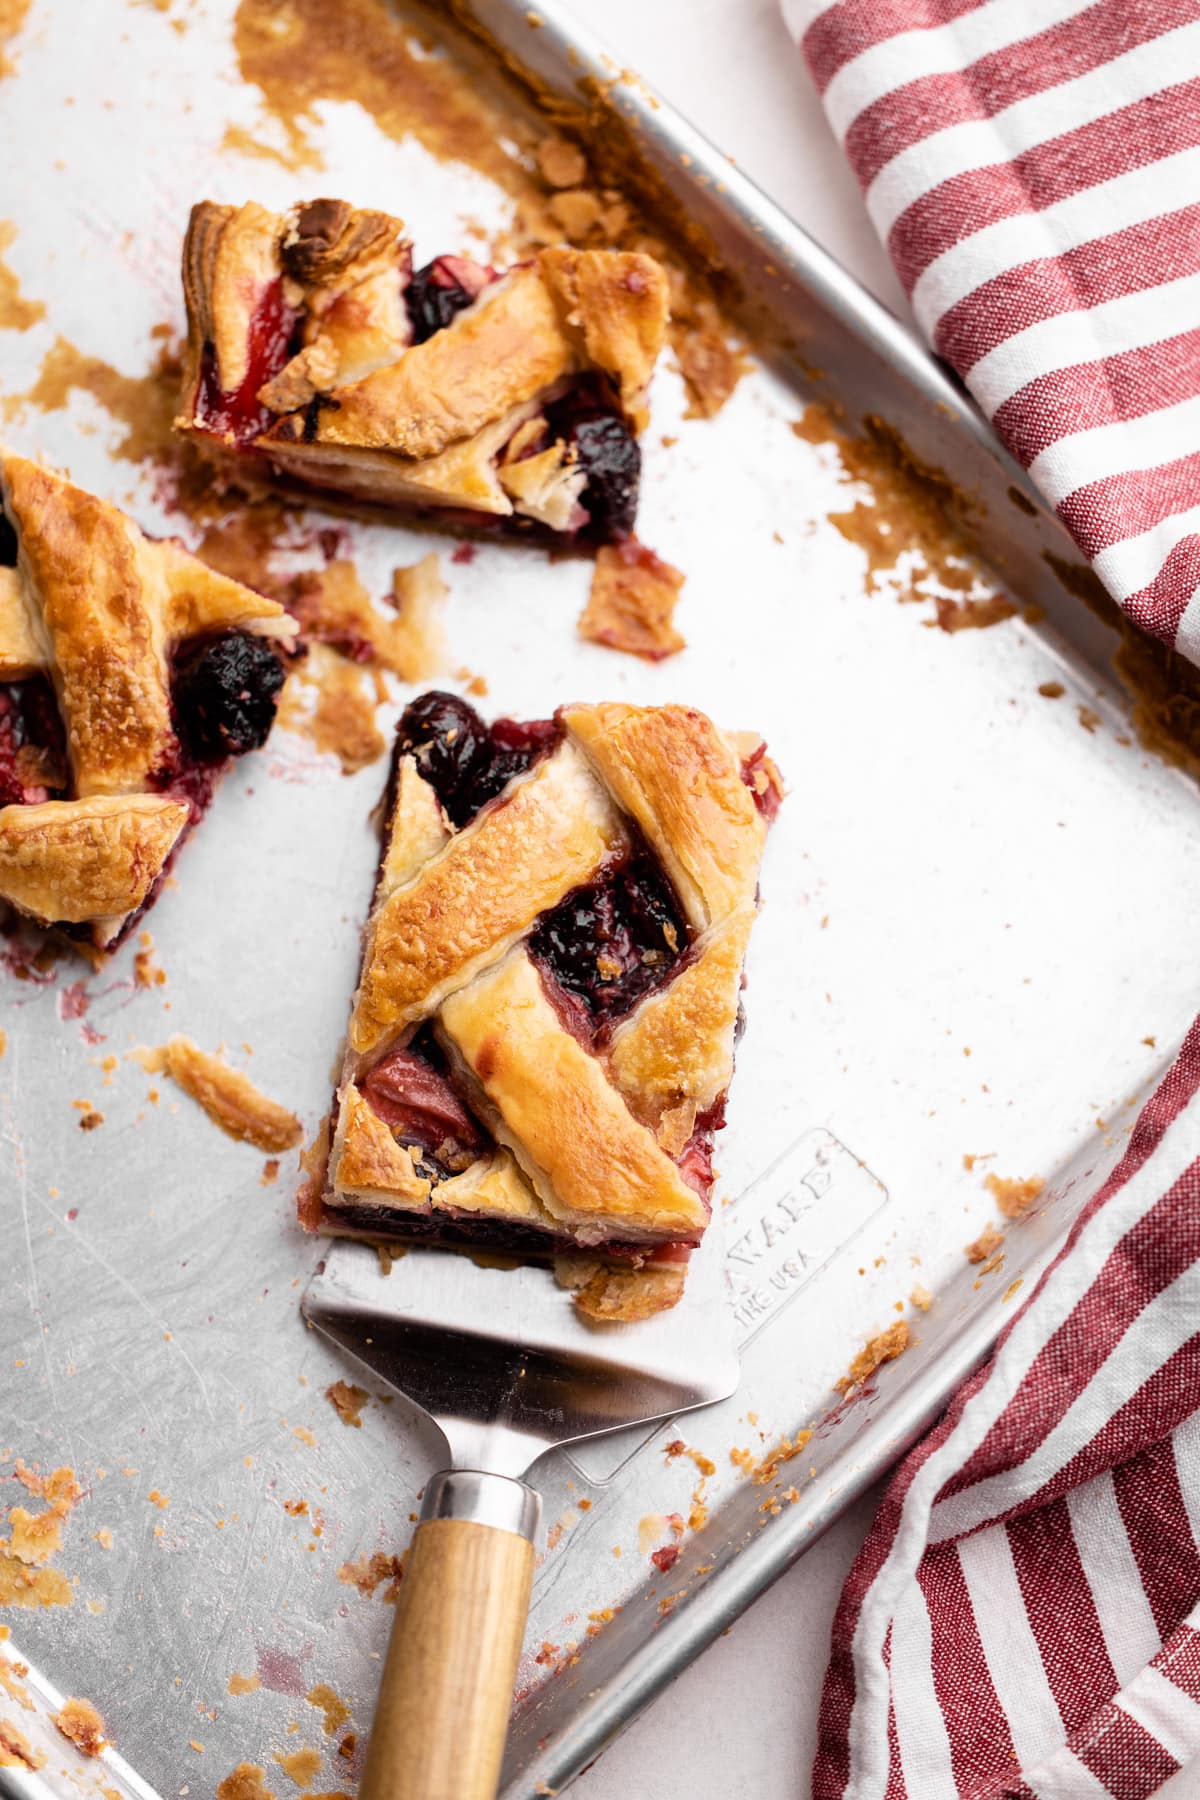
(743, 1717)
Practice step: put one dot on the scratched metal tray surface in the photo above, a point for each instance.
(951, 961)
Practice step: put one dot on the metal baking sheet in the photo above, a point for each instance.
(951, 962)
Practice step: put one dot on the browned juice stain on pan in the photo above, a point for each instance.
(12, 17)
(303, 51)
(16, 312)
(143, 404)
(914, 508)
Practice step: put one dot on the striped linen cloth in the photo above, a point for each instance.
(1033, 167)
(1024, 1616)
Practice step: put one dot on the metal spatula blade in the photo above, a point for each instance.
(503, 1363)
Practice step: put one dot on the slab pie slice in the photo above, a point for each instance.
(130, 675)
(543, 1034)
(503, 399)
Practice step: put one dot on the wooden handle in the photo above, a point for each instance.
(447, 1688)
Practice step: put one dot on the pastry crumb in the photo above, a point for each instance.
(632, 602)
(16, 1752)
(884, 1348)
(230, 1098)
(270, 1172)
(985, 1245)
(418, 641)
(1051, 690)
(1012, 1195)
(243, 1684)
(369, 1573)
(326, 700)
(921, 1298)
(334, 1710)
(629, 1295)
(347, 1401)
(563, 164)
(79, 1721)
(300, 1766)
(246, 1782)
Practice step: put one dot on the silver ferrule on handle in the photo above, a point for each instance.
(482, 1498)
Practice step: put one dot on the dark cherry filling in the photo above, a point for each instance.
(225, 693)
(410, 1092)
(8, 542)
(33, 751)
(588, 417)
(463, 760)
(442, 289)
(237, 413)
(611, 943)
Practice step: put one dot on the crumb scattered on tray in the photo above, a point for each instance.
(328, 700)
(1012, 1195)
(26, 1577)
(418, 638)
(985, 1245)
(1051, 690)
(1089, 718)
(246, 1782)
(884, 1348)
(628, 1295)
(270, 1172)
(244, 1684)
(89, 1117)
(300, 1766)
(146, 972)
(79, 1721)
(563, 164)
(369, 1573)
(632, 602)
(16, 1752)
(14, 1686)
(347, 1401)
(230, 1098)
(334, 1710)
(921, 1298)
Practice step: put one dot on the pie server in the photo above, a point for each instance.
(501, 1361)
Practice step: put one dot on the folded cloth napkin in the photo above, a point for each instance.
(1024, 1617)
(1033, 167)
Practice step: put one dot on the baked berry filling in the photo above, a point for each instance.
(441, 290)
(588, 418)
(237, 412)
(9, 548)
(466, 762)
(410, 1092)
(612, 942)
(225, 693)
(33, 751)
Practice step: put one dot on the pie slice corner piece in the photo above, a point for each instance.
(543, 1034)
(130, 674)
(483, 398)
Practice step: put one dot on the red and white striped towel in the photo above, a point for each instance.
(1024, 1617)
(1033, 167)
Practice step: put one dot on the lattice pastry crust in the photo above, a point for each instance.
(589, 1119)
(316, 355)
(100, 775)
